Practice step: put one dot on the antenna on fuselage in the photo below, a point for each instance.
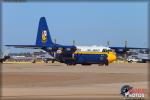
(55, 41)
(125, 49)
(54, 53)
(74, 42)
(108, 43)
(126, 42)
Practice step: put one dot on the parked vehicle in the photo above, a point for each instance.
(144, 57)
(4, 58)
(133, 58)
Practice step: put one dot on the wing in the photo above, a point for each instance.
(25, 46)
(125, 49)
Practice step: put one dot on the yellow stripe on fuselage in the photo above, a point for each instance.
(89, 52)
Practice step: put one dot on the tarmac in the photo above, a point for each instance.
(42, 81)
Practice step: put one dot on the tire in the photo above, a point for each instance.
(53, 61)
(106, 63)
(33, 61)
(1, 61)
(130, 61)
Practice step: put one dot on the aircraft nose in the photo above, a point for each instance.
(111, 57)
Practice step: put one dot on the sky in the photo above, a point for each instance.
(88, 23)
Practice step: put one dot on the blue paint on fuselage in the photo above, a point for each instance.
(90, 58)
(82, 58)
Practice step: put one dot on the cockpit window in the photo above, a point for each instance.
(109, 50)
(105, 50)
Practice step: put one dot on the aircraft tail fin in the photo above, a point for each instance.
(43, 35)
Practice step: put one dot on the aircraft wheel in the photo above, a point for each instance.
(131, 61)
(1, 61)
(53, 61)
(74, 64)
(107, 63)
(33, 61)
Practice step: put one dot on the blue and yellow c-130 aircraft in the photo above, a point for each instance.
(69, 55)
(66, 54)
